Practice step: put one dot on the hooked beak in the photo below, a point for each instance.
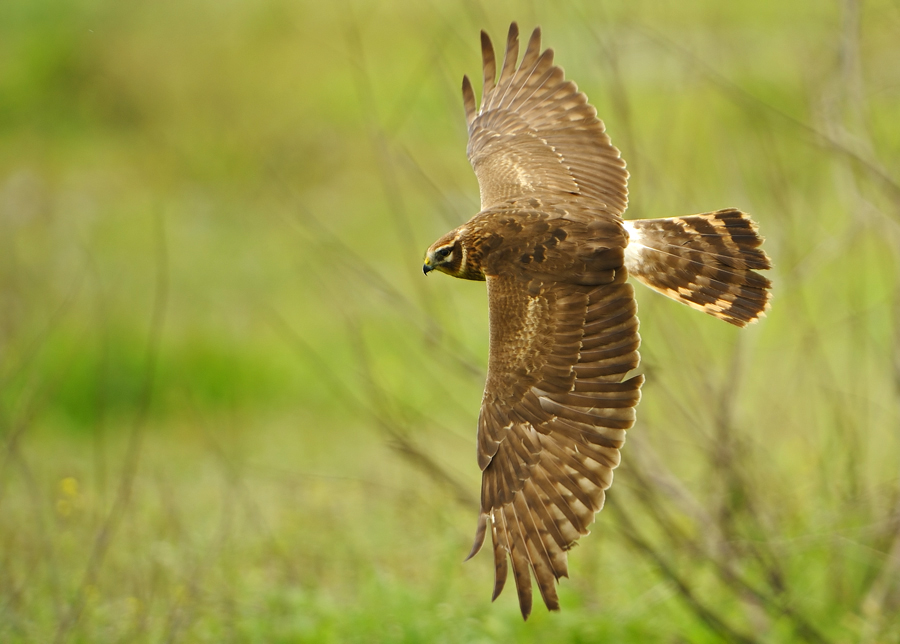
(427, 268)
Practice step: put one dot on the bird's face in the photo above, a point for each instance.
(446, 255)
(459, 253)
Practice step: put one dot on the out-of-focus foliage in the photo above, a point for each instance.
(233, 409)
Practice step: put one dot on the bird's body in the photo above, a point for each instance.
(555, 252)
(544, 236)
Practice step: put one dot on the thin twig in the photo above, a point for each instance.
(106, 533)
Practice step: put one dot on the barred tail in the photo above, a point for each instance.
(705, 261)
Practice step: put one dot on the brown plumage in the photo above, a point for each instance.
(551, 244)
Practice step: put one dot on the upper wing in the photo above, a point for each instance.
(535, 132)
(553, 418)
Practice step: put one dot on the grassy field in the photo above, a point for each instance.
(233, 410)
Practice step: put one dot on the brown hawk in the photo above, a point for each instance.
(555, 252)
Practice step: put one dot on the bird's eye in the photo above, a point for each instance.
(444, 252)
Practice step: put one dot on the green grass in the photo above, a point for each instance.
(232, 409)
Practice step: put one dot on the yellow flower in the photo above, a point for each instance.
(69, 487)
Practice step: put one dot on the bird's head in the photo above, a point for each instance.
(445, 255)
(452, 254)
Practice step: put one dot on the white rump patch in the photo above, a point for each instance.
(635, 246)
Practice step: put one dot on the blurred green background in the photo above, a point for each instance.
(232, 408)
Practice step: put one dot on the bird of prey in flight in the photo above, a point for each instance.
(551, 243)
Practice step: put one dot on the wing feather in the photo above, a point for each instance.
(521, 562)
(535, 131)
(541, 563)
(488, 63)
(509, 64)
(553, 419)
(469, 100)
(567, 522)
(552, 529)
(501, 548)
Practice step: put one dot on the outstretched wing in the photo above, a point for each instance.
(536, 133)
(553, 418)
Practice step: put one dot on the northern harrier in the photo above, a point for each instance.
(555, 252)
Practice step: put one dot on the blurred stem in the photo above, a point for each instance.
(385, 421)
(107, 530)
(399, 439)
(706, 615)
(745, 99)
(714, 547)
(883, 595)
(424, 318)
(379, 142)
